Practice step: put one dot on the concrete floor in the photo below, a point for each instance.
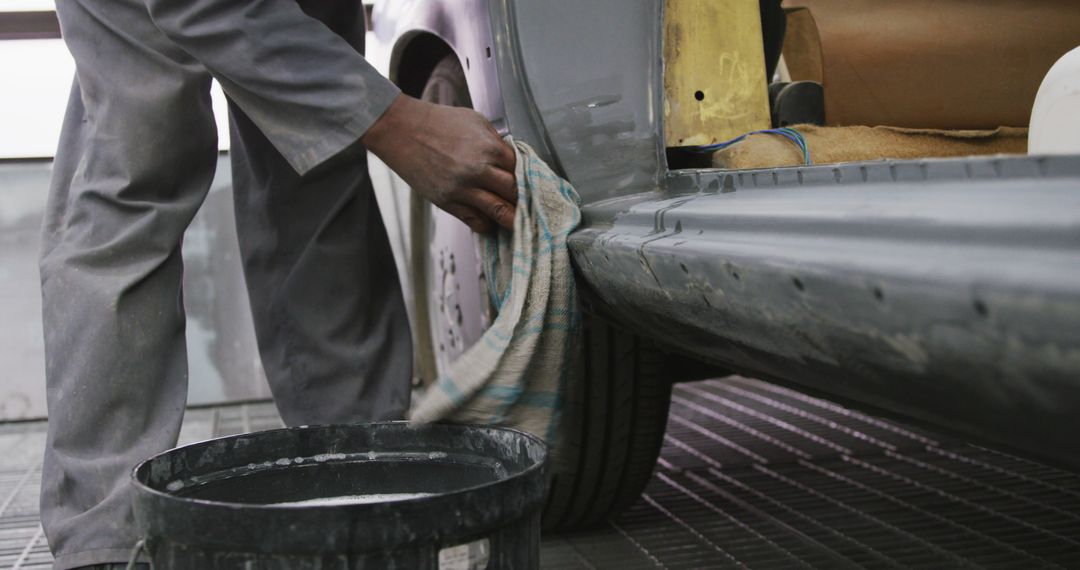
(751, 476)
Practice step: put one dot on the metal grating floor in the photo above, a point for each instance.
(751, 476)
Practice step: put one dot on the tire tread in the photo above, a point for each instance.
(615, 438)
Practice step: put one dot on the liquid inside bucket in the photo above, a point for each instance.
(343, 479)
(353, 500)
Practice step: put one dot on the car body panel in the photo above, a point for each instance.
(943, 290)
(593, 70)
(946, 291)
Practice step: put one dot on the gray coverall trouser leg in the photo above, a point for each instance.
(136, 158)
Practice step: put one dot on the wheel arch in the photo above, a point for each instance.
(413, 36)
(415, 57)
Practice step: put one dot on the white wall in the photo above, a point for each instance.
(37, 77)
(223, 363)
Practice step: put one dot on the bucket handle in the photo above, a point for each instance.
(140, 548)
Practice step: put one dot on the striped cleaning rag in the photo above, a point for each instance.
(514, 375)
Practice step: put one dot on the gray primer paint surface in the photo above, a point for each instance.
(948, 291)
(945, 290)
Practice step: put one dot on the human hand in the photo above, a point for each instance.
(450, 155)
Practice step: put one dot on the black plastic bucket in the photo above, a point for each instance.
(440, 497)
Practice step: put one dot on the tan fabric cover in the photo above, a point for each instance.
(514, 375)
(830, 145)
(940, 64)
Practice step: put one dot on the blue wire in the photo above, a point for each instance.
(788, 133)
(797, 137)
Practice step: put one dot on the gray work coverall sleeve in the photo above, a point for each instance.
(137, 155)
(304, 86)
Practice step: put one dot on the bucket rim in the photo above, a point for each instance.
(143, 488)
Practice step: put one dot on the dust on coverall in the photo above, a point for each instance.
(135, 161)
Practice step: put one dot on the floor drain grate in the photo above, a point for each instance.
(752, 475)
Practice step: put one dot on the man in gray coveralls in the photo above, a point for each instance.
(135, 161)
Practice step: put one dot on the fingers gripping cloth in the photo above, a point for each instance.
(514, 375)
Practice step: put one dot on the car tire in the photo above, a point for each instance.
(612, 428)
(613, 417)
